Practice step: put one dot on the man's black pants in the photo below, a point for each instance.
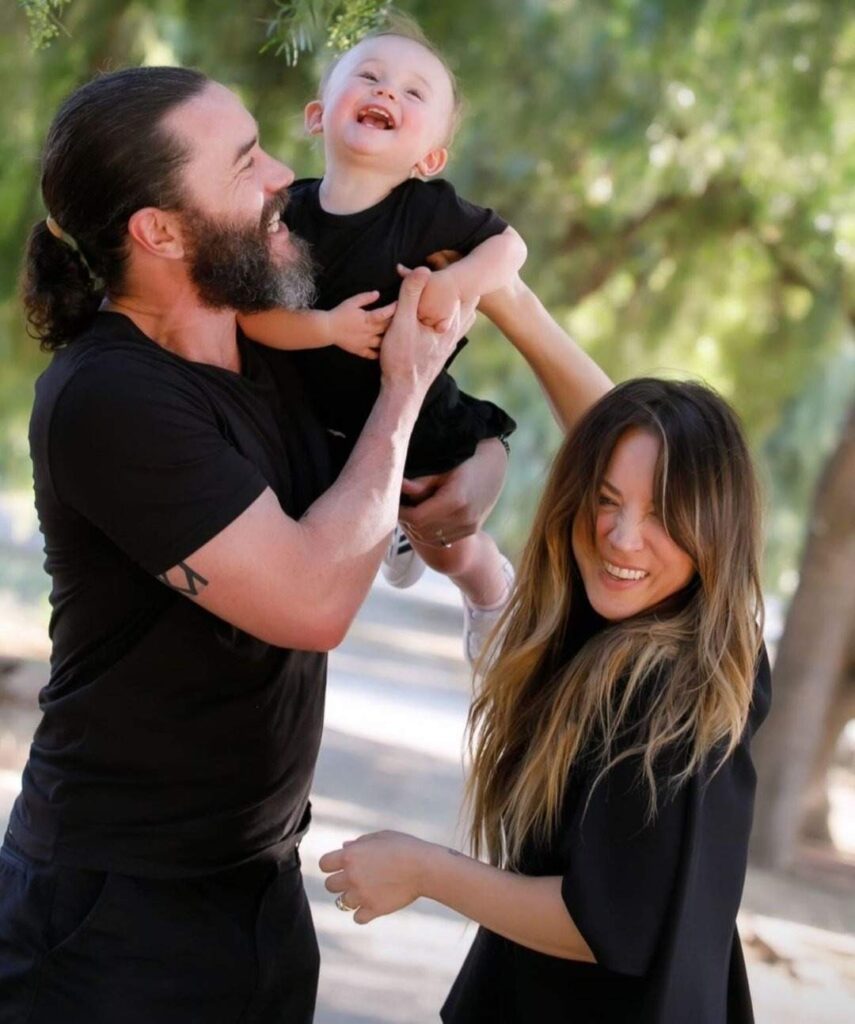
(93, 947)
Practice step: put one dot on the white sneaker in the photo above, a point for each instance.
(401, 566)
(478, 622)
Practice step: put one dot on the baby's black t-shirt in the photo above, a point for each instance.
(359, 252)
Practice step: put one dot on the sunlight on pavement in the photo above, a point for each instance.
(412, 641)
(392, 758)
(433, 726)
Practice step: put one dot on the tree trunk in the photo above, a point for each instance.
(816, 803)
(811, 660)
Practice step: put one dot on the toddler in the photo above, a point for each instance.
(387, 110)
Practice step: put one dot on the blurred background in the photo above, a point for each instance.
(683, 173)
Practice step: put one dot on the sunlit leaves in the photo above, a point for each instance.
(682, 172)
(45, 21)
(303, 26)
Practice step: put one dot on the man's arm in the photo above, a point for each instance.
(299, 583)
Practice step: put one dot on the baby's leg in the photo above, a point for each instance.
(484, 576)
(474, 564)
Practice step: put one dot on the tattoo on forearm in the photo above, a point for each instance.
(184, 579)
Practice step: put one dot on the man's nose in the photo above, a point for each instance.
(278, 176)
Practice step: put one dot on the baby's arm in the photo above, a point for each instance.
(570, 378)
(349, 325)
(491, 265)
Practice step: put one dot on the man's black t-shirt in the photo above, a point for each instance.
(360, 252)
(171, 743)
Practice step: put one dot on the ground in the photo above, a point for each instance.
(391, 758)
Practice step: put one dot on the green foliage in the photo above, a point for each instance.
(809, 426)
(44, 19)
(682, 173)
(303, 26)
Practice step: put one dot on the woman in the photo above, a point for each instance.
(611, 785)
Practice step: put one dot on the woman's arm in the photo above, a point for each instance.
(386, 871)
(571, 380)
(492, 264)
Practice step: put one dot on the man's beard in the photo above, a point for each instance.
(232, 267)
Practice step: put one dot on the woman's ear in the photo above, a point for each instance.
(433, 163)
(313, 118)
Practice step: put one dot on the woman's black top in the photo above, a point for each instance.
(656, 902)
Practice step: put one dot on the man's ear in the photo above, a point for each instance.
(313, 118)
(158, 232)
(433, 163)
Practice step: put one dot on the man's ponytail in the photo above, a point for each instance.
(60, 294)
(107, 155)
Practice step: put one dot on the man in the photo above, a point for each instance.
(201, 564)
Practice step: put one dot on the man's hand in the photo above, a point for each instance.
(439, 300)
(413, 354)
(448, 506)
(356, 329)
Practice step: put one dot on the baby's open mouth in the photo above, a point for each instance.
(376, 117)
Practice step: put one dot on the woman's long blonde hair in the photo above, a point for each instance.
(678, 676)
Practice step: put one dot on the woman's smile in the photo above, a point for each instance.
(631, 563)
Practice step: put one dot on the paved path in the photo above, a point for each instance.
(396, 708)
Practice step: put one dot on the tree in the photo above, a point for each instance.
(812, 671)
(682, 173)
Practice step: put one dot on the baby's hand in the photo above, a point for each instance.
(439, 300)
(356, 329)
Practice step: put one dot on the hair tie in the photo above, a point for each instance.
(64, 237)
(54, 228)
(58, 233)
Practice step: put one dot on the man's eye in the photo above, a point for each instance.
(248, 165)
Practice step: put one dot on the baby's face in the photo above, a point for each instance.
(389, 103)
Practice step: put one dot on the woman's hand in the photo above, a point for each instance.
(378, 873)
(383, 872)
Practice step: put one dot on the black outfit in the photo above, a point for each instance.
(94, 947)
(360, 252)
(173, 749)
(656, 903)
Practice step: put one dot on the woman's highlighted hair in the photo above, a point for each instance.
(672, 684)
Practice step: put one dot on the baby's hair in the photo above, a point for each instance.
(403, 26)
